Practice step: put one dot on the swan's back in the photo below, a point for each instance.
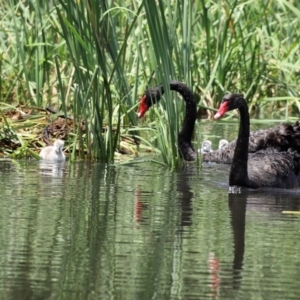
(281, 138)
(271, 168)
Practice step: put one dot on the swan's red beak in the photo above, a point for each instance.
(222, 110)
(143, 107)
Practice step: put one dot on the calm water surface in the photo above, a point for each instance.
(89, 231)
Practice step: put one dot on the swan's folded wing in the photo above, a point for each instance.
(221, 156)
(282, 138)
(276, 169)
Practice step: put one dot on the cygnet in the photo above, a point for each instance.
(53, 153)
(206, 146)
(223, 143)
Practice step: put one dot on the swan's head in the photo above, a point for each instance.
(206, 146)
(150, 97)
(59, 145)
(223, 143)
(229, 102)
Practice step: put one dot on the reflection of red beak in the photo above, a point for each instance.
(138, 207)
(138, 211)
(214, 269)
(222, 110)
(143, 107)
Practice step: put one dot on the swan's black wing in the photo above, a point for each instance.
(225, 154)
(274, 169)
(281, 138)
(221, 156)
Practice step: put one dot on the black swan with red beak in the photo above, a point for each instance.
(153, 95)
(269, 168)
(282, 138)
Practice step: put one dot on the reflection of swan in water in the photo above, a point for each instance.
(54, 169)
(268, 200)
(184, 198)
(53, 153)
(185, 194)
(254, 201)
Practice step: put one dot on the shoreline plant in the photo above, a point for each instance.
(91, 60)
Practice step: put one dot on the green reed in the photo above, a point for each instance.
(90, 31)
(94, 59)
(230, 52)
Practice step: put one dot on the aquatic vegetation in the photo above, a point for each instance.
(89, 61)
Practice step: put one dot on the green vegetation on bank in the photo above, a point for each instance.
(91, 61)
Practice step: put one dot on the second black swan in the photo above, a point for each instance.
(153, 95)
(264, 168)
(282, 137)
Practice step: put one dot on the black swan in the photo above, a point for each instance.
(282, 137)
(269, 168)
(153, 95)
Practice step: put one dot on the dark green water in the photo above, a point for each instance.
(88, 231)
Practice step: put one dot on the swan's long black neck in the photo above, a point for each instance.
(240, 157)
(188, 124)
(153, 95)
(185, 147)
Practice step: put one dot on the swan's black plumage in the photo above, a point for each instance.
(153, 95)
(269, 168)
(282, 138)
